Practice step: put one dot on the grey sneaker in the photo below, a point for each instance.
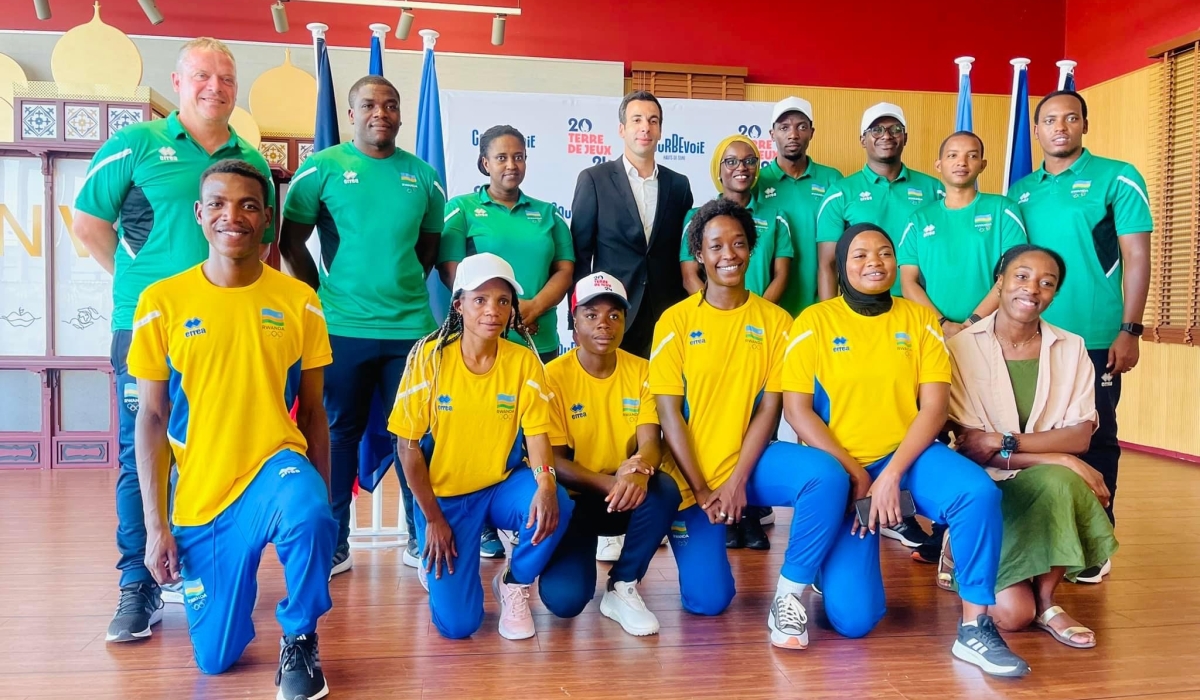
(982, 645)
(172, 593)
(300, 676)
(139, 608)
(788, 622)
(342, 562)
(411, 556)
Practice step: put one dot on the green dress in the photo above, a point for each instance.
(1051, 517)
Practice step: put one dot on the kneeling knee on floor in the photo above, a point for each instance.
(854, 626)
(458, 626)
(564, 602)
(214, 661)
(710, 600)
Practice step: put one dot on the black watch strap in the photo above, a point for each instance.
(1134, 329)
(974, 318)
(942, 320)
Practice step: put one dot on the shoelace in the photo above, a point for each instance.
(290, 657)
(517, 597)
(990, 636)
(136, 599)
(631, 595)
(790, 613)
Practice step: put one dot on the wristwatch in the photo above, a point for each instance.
(942, 320)
(1008, 445)
(974, 318)
(1134, 329)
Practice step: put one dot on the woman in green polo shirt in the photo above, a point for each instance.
(528, 233)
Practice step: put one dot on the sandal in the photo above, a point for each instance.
(1043, 621)
(945, 570)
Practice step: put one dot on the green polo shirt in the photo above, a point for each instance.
(369, 213)
(956, 250)
(1080, 213)
(798, 198)
(773, 240)
(531, 237)
(868, 198)
(146, 179)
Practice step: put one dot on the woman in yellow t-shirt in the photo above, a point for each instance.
(468, 400)
(715, 374)
(867, 379)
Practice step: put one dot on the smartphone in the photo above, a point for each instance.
(907, 507)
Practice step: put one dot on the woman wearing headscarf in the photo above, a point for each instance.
(867, 379)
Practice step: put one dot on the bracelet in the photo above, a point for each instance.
(942, 320)
(542, 468)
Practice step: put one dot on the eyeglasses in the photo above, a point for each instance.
(748, 161)
(877, 131)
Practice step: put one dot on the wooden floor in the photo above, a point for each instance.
(58, 591)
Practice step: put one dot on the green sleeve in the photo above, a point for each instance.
(109, 179)
(830, 217)
(783, 236)
(684, 254)
(453, 244)
(434, 212)
(1012, 227)
(564, 246)
(907, 250)
(1131, 207)
(303, 201)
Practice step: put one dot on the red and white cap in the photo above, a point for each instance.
(595, 285)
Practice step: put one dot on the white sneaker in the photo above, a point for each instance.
(410, 559)
(516, 622)
(768, 519)
(172, 593)
(423, 577)
(609, 548)
(623, 605)
(788, 622)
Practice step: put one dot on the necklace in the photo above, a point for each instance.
(1023, 343)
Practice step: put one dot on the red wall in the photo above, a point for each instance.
(885, 45)
(1109, 37)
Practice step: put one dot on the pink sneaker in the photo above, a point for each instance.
(515, 620)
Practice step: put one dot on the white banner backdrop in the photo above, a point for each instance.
(567, 133)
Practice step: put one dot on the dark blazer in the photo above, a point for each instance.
(608, 235)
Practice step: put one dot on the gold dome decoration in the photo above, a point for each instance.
(245, 126)
(96, 54)
(10, 72)
(284, 100)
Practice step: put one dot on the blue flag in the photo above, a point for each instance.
(1069, 83)
(963, 121)
(326, 132)
(1019, 159)
(430, 149)
(376, 56)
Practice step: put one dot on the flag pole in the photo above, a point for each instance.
(964, 64)
(1065, 69)
(429, 37)
(318, 33)
(1018, 64)
(380, 30)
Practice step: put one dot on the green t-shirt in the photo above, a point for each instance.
(799, 199)
(774, 240)
(531, 237)
(956, 250)
(369, 213)
(1080, 213)
(867, 198)
(146, 179)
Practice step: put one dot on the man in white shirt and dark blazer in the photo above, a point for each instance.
(627, 219)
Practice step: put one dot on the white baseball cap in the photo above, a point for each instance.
(791, 104)
(595, 285)
(475, 270)
(883, 109)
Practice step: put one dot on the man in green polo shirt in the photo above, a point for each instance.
(885, 192)
(135, 215)
(378, 213)
(948, 251)
(795, 184)
(1094, 212)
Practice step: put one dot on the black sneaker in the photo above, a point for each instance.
(299, 676)
(735, 537)
(756, 537)
(908, 533)
(342, 561)
(139, 608)
(982, 645)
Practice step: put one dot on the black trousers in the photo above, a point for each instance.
(1104, 454)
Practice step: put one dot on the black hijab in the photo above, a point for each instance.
(860, 302)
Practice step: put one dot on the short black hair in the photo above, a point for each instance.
(972, 134)
(485, 141)
(1037, 111)
(370, 80)
(233, 166)
(639, 96)
(711, 210)
(1010, 256)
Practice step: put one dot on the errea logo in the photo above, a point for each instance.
(864, 196)
(696, 338)
(768, 193)
(929, 231)
(1024, 198)
(349, 178)
(193, 327)
(166, 154)
(577, 411)
(288, 471)
(480, 213)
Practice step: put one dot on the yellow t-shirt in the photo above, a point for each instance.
(233, 358)
(477, 422)
(864, 372)
(720, 362)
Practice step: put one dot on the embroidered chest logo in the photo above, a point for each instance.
(754, 335)
(408, 180)
(903, 342)
(578, 412)
(193, 327)
(840, 344)
(983, 223)
(915, 195)
(818, 191)
(864, 196)
(272, 322)
(445, 403)
(349, 178)
(480, 213)
(533, 216)
(928, 231)
(630, 408)
(768, 193)
(696, 338)
(1080, 188)
(166, 154)
(1023, 198)
(506, 405)
(760, 224)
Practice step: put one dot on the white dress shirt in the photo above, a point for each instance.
(645, 193)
